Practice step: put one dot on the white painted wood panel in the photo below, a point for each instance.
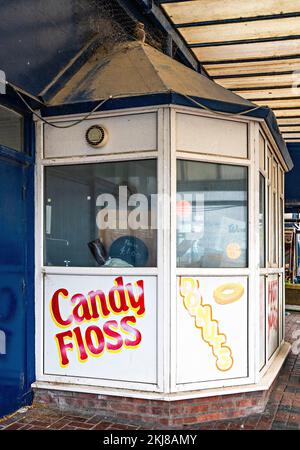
(126, 133)
(204, 321)
(132, 323)
(211, 136)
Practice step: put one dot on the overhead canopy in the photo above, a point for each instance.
(249, 47)
(134, 69)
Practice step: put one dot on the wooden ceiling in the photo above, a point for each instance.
(251, 47)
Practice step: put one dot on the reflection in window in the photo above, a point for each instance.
(211, 215)
(11, 129)
(101, 214)
(262, 220)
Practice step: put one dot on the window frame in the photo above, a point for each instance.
(223, 162)
(27, 134)
(44, 204)
(265, 220)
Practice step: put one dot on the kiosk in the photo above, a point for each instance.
(159, 262)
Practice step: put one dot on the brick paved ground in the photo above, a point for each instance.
(282, 411)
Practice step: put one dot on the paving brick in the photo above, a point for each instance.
(102, 426)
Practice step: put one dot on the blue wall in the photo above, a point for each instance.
(38, 38)
(23, 349)
(292, 179)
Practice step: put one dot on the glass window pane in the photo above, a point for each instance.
(11, 129)
(211, 215)
(262, 220)
(274, 231)
(101, 214)
(281, 237)
(262, 152)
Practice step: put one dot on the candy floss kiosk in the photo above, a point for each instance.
(159, 279)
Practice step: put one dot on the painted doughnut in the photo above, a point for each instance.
(223, 298)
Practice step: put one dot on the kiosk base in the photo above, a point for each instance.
(161, 410)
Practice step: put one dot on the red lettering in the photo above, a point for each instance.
(100, 297)
(83, 356)
(137, 303)
(63, 347)
(107, 328)
(130, 330)
(119, 291)
(81, 311)
(55, 311)
(100, 340)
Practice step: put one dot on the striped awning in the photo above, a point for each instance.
(250, 47)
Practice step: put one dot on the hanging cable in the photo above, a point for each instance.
(77, 122)
(196, 102)
(220, 112)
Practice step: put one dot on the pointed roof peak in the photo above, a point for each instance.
(135, 68)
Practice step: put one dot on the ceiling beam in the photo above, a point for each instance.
(293, 139)
(290, 128)
(268, 94)
(295, 103)
(265, 67)
(287, 113)
(284, 108)
(289, 121)
(279, 118)
(236, 20)
(260, 50)
(251, 60)
(291, 132)
(244, 41)
(218, 9)
(258, 35)
(258, 88)
(270, 99)
(256, 74)
(287, 136)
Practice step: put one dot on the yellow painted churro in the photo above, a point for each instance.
(193, 302)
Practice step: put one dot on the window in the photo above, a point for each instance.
(11, 129)
(275, 229)
(273, 212)
(262, 153)
(101, 214)
(262, 220)
(281, 234)
(211, 215)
